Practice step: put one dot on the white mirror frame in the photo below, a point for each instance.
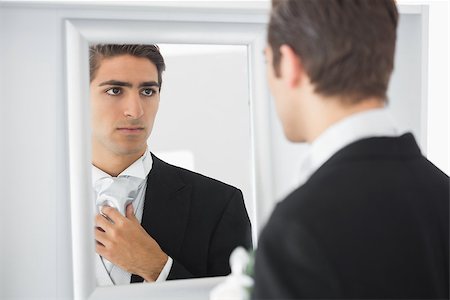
(194, 26)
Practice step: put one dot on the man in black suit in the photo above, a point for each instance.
(155, 221)
(370, 218)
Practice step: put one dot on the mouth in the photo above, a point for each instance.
(130, 130)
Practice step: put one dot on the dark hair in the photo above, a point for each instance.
(346, 46)
(151, 52)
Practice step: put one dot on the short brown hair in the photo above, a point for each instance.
(346, 46)
(99, 51)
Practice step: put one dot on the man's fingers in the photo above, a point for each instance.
(100, 249)
(130, 212)
(102, 222)
(111, 213)
(101, 237)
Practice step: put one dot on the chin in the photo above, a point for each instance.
(296, 140)
(294, 136)
(130, 150)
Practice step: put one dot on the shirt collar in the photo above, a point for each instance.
(140, 168)
(371, 123)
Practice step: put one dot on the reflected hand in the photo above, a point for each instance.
(125, 243)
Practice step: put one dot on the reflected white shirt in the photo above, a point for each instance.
(106, 272)
(370, 123)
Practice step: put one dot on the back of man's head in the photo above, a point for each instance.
(346, 46)
(101, 51)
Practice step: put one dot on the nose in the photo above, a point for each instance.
(133, 107)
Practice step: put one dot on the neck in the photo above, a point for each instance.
(333, 111)
(114, 164)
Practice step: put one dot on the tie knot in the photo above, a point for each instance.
(117, 192)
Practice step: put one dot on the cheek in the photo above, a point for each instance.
(270, 77)
(151, 111)
(97, 109)
(285, 109)
(95, 115)
(104, 115)
(274, 85)
(278, 97)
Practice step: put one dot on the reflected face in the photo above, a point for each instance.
(124, 103)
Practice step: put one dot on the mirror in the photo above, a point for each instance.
(243, 61)
(199, 120)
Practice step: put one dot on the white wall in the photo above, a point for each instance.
(2, 176)
(35, 242)
(405, 88)
(438, 141)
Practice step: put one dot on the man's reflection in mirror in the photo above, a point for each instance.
(154, 221)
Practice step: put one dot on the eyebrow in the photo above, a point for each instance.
(127, 84)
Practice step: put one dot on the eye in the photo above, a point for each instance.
(114, 91)
(148, 92)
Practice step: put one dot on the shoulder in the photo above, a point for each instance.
(365, 178)
(334, 191)
(198, 181)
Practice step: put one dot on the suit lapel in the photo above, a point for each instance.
(166, 207)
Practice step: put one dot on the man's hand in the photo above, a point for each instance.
(126, 244)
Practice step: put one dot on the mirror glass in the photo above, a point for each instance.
(203, 122)
(203, 119)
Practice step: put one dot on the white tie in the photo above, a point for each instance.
(117, 192)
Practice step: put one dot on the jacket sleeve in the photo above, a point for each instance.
(232, 230)
(178, 271)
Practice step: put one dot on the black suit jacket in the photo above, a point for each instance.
(196, 220)
(372, 222)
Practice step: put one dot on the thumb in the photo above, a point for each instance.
(130, 212)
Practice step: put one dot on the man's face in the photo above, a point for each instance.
(124, 102)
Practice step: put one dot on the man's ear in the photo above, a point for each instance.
(291, 68)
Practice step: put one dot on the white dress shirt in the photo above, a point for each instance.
(367, 124)
(106, 272)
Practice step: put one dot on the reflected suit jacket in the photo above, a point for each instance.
(196, 220)
(372, 222)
